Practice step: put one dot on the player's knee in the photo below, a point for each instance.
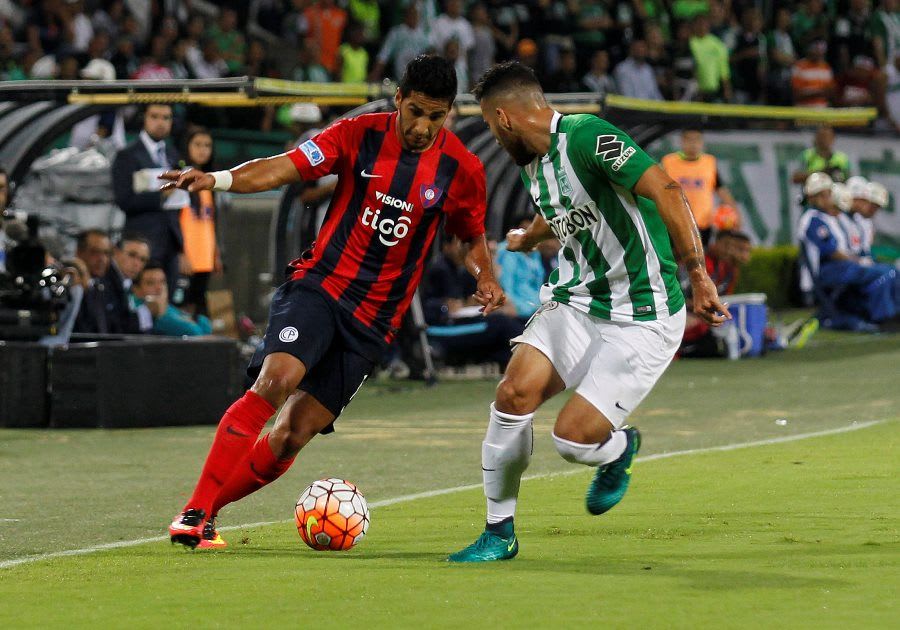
(275, 385)
(514, 399)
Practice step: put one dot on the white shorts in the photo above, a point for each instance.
(613, 365)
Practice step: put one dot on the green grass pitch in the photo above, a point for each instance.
(793, 534)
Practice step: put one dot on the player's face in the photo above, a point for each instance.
(420, 119)
(501, 127)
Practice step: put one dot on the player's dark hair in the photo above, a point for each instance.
(503, 77)
(433, 76)
(83, 236)
(735, 234)
(133, 237)
(150, 266)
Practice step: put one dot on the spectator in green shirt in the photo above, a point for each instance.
(353, 59)
(229, 40)
(150, 298)
(822, 158)
(711, 58)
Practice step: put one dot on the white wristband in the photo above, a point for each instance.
(223, 180)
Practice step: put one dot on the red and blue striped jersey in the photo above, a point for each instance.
(371, 249)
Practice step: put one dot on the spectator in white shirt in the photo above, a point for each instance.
(452, 25)
(403, 43)
(634, 76)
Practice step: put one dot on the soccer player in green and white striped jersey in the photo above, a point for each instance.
(612, 314)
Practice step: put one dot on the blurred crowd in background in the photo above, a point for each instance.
(801, 52)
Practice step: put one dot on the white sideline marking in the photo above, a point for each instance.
(6, 564)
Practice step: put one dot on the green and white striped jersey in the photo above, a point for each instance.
(616, 260)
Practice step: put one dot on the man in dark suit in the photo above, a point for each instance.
(94, 250)
(136, 187)
(128, 260)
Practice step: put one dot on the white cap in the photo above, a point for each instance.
(44, 68)
(840, 194)
(816, 183)
(99, 70)
(877, 194)
(305, 113)
(859, 187)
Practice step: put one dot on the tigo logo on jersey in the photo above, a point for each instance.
(289, 334)
(429, 194)
(312, 152)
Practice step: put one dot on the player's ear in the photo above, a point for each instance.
(503, 119)
(398, 98)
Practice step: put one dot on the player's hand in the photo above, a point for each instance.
(489, 295)
(190, 179)
(517, 241)
(706, 302)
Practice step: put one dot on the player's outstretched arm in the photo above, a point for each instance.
(249, 177)
(489, 293)
(519, 240)
(673, 207)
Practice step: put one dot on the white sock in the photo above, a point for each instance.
(592, 454)
(505, 454)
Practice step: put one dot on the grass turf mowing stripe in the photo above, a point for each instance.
(7, 564)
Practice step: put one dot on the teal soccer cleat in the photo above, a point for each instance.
(611, 481)
(490, 546)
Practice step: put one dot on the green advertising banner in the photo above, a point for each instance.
(758, 165)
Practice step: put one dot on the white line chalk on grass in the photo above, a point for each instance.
(7, 564)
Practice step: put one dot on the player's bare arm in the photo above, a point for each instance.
(519, 240)
(673, 207)
(489, 293)
(249, 177)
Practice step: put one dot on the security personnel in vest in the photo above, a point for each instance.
(698, 174)
(822, 158)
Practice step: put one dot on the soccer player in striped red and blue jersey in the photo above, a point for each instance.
(400, 174)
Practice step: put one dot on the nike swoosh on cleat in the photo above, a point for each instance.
(181, 527)
(230, 429)
(488, 469)
(512, 543)
(618, 406)
(369, 175)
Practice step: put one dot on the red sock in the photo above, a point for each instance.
(238, 430)
(258, 469)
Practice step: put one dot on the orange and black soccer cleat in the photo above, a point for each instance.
(211, 538)
(187, 528)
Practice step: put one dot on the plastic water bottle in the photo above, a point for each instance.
(732, 342)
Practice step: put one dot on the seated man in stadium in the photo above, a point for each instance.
(128, 260)
(455, 325)
(858, 294)
(93, 249)
(724, 258)
(156, 315)
(521, 276)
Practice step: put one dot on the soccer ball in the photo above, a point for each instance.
(331, 515)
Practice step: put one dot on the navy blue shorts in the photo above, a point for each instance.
(309, 325)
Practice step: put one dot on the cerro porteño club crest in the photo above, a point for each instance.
(430, 194)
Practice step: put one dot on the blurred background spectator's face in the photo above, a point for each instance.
(131, 258)
(412, 16)
(567, 62)
(817, 50)
(451, 50)
(692, 144)
(96, 255)
(158, 121)
(196, 27)
(824, 139)
(98, 45)
(4, 191)
(751, 20)
(228, 20)
(859, 6)
(479, 15)
(68, 69)
(152, 284)
(739, 250)
(454, 8)
(701, 26)
(200, 149)
(783, 19)
(600, 62)
(638, 50)
(654, 36)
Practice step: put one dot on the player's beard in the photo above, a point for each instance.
(518, 151)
